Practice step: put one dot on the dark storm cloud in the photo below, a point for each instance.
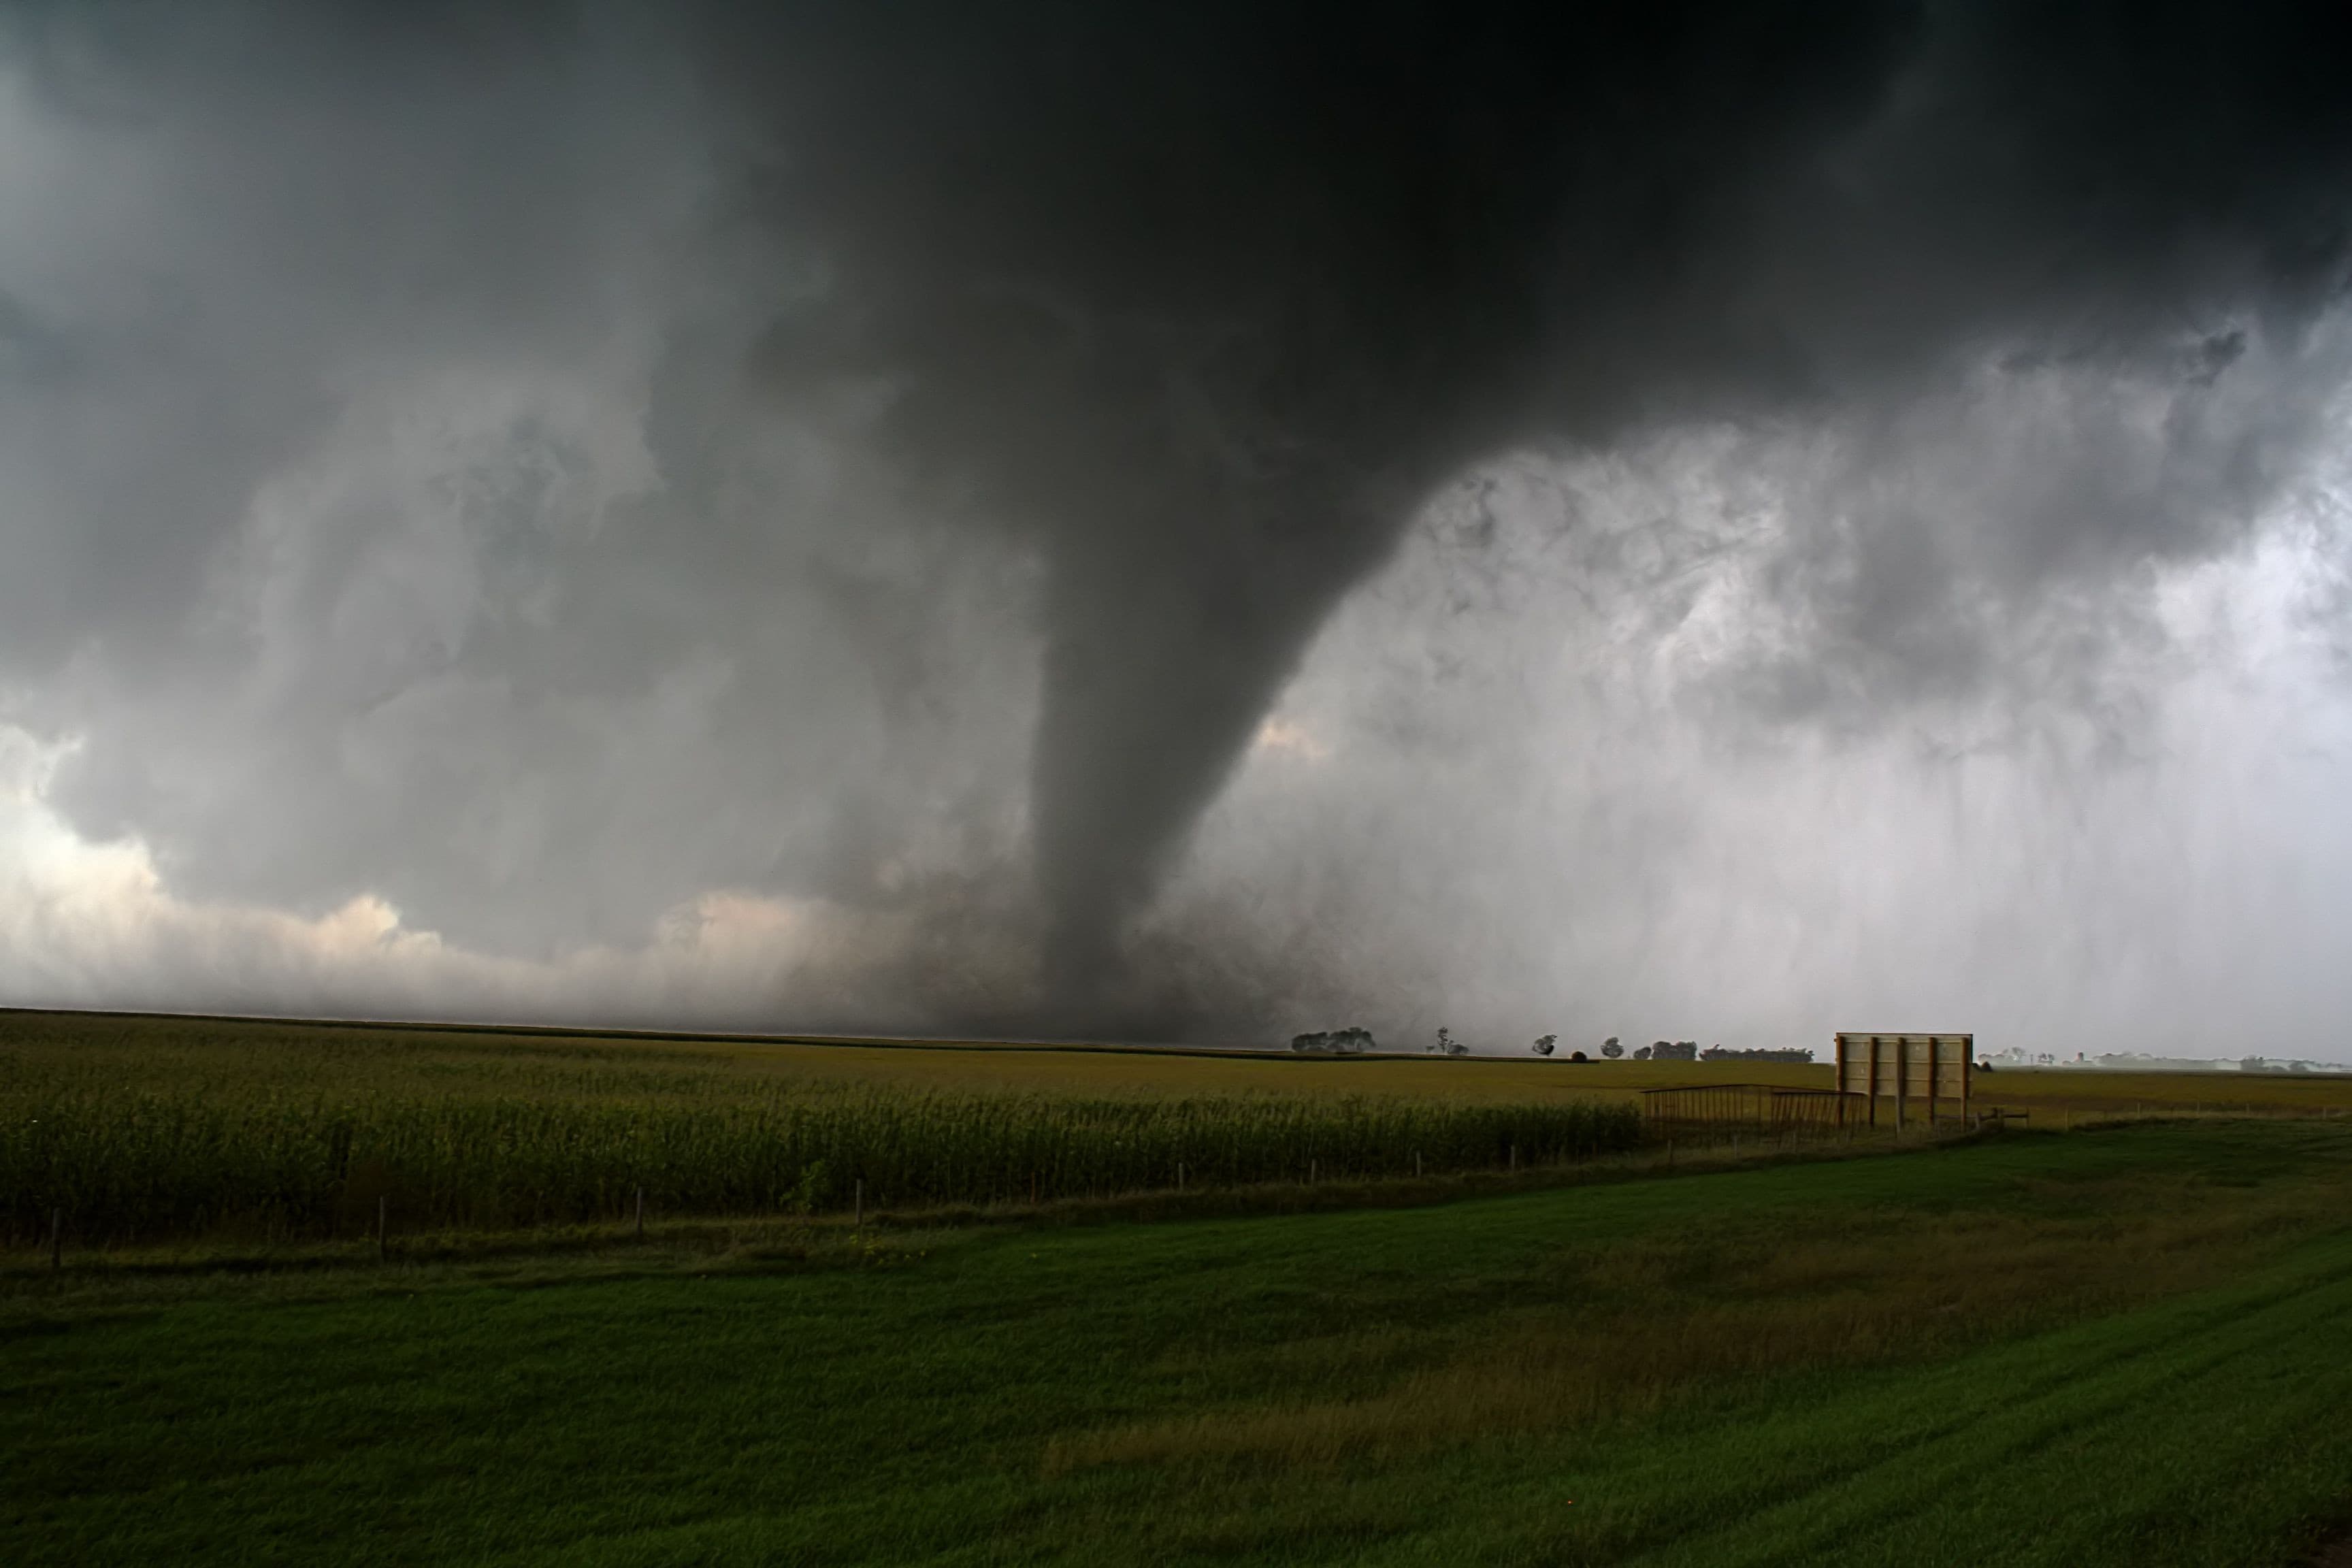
(281, 188)
(1195, 305)
(1210, 296)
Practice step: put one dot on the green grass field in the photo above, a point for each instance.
(2132, 1345)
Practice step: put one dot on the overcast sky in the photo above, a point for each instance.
(1190, 522)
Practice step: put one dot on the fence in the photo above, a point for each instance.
(1751, 1105)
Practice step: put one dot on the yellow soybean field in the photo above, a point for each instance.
(211, 1057)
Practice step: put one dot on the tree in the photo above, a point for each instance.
(1640, 1053)
(1348, 1042)
(1611, 1048)
(1543, 1046)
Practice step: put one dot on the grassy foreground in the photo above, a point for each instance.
(2128, 1346)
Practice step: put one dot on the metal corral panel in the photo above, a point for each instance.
(1751, 1104)
(1914, 1075)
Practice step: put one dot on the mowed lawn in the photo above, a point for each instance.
(2129, 1346)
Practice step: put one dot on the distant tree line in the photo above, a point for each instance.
(1349, 1042)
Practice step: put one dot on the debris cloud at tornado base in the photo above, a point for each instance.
(1161, 520)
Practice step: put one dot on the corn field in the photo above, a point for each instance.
(134, 1165)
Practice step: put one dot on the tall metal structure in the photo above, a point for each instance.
(1905, 1069)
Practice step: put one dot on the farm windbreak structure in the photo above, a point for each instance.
(1906, 1069)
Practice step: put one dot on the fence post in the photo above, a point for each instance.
(858, 1189)
(1874, 1082)
(1179, 1175)
(641, 1213)
(56, 1239)
(383, 1227)
(1416, 1164)
(1902, 1082)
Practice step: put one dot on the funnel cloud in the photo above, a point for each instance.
(1031, 517)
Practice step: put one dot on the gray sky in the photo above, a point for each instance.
(1186, 521)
